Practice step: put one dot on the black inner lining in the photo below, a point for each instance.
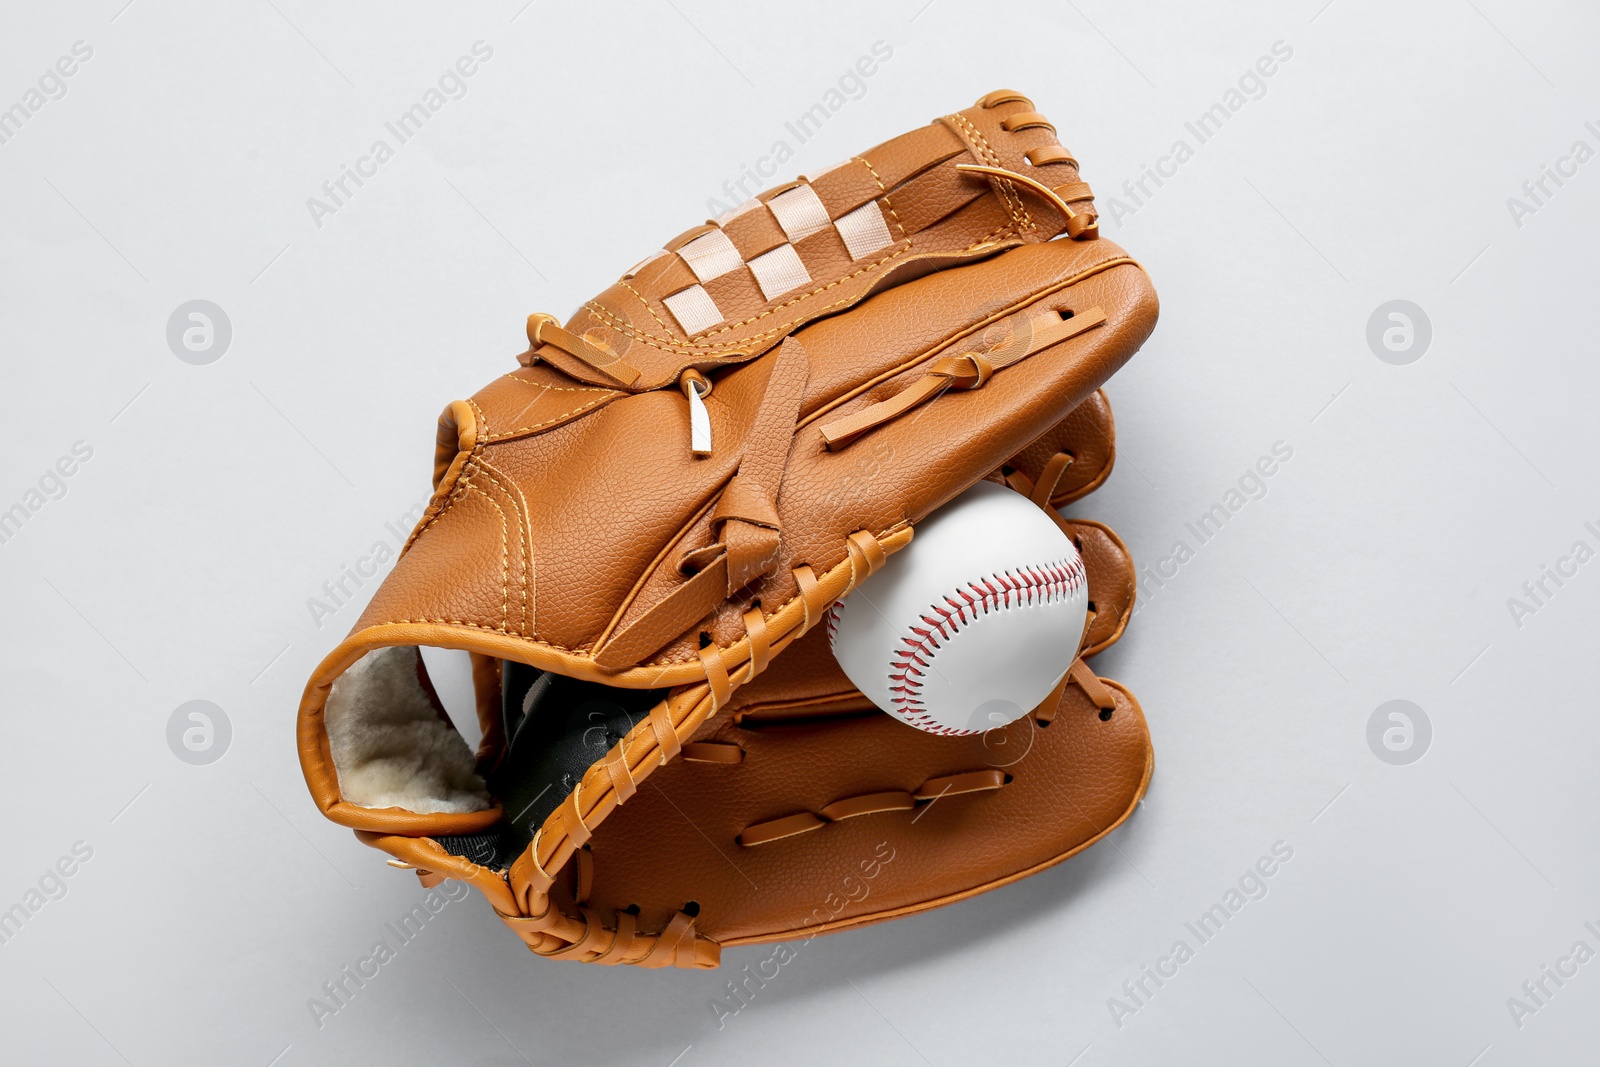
(556, 729)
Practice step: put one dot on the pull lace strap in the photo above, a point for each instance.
(748, 511)
(970, 370)
(544, 330)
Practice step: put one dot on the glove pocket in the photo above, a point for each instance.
(857, 820)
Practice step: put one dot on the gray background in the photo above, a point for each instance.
(1374, 165)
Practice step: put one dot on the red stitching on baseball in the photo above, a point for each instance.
(1029, 585)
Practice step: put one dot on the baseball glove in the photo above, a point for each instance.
(636, 534)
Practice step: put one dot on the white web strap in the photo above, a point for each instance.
(779, 271)
(694, 309)
(799, 211)
(864, 230)
(711, 255)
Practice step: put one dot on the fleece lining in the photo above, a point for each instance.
(391, 748)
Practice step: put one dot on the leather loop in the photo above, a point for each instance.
(866, 556)
(674, 946)
(1097, 691)
(621, 776)
(1071, 191)
(969, 370)
(572, 813)
(713, 752)
(747, 502)
(681, 609)
(1045, 713)
(777, 829)
(752, 552)
(755, 627)
(623, 941)
(666, 737)
(1079, 223)
(538, 880)
(717, 675)
(841, 432)
(694, 562)
(544, 330)
(811, 598)
(1049, 478)
(526, 925)
(956, 784)
(1025, 120)
(748, 509)
(1002, 96)
(592, 929)
(1047, 154)
(870, 803)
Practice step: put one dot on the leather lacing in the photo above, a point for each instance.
(972, 369)
(550, 932)
(1080, 226)
(544, 329)
(872, 803)
(978, 781)
(1041, 491)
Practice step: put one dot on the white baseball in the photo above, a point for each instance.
(971, 625)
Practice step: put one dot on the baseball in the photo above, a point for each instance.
(971, 625)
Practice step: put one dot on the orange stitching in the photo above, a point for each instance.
(884, 189)
(1008, 193)
(1013, 199)
(505, 555)
(455, 491)
(512, 375)
(1054, 287)
(524, 522)
(501, 436)
(820, 813)
(969, 330)
(481, 626)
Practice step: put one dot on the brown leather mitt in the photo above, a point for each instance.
(636, 533)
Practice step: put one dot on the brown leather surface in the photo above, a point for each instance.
(677, 840)
(615, 497)
(574, 529)
(825, 784)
